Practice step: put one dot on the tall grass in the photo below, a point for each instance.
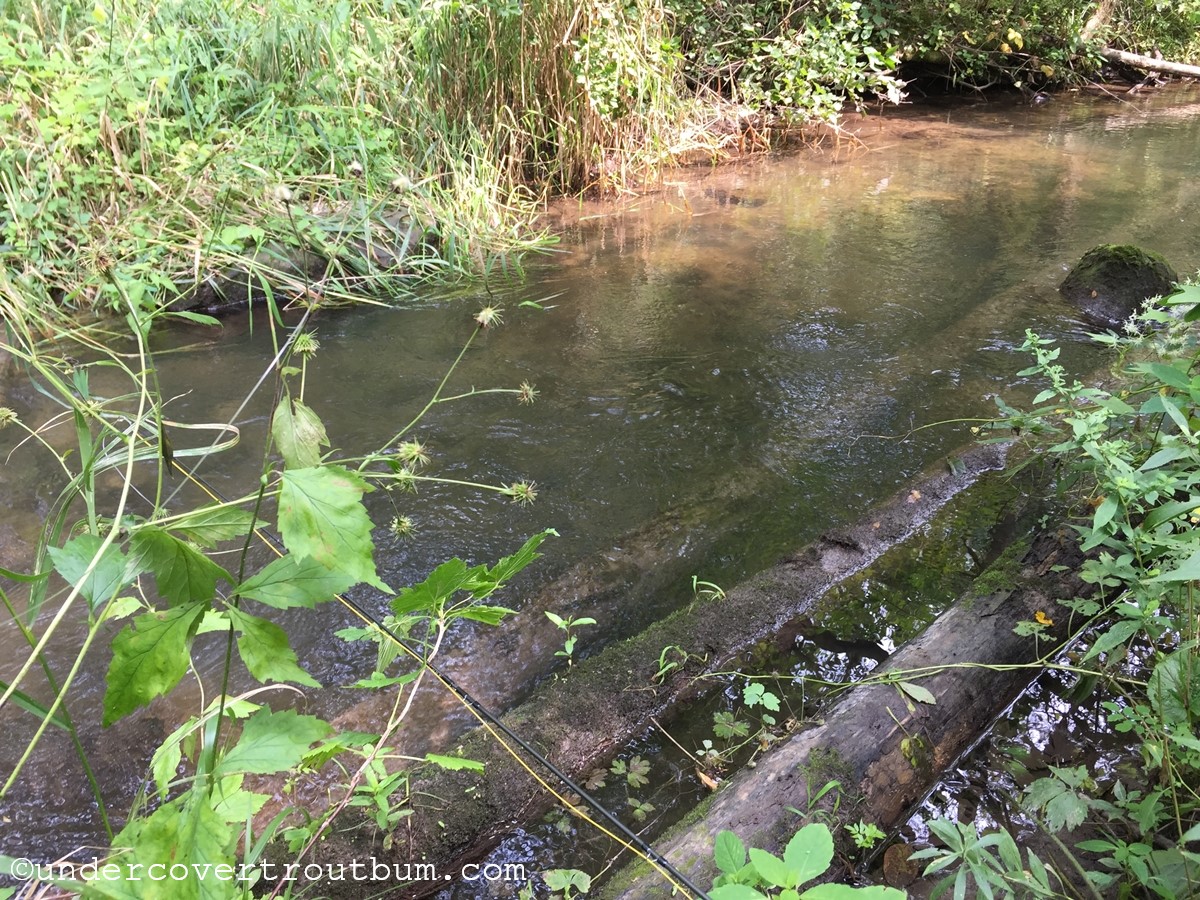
(164, 141)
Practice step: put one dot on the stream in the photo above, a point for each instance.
(726, 369)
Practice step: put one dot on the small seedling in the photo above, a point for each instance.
(568, 625)
(865, 834)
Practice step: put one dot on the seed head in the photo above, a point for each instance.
(527, 393)
(489, 316)
(306, 344)
(7, 415)
(523, 492)
(401, 526)
(413, 454)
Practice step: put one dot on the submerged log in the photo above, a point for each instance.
(1150, 64)
(887, 750)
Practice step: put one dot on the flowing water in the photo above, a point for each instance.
(725, 369)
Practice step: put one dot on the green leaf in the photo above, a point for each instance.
(111, 574)
(339, 743)
(298, 434)
(809, 852)
(1105, 512)
(509, 566)
(321, 516)
(181, 573)
(194, 836)
(1097, 846)
(208, 527)
(1067, 810)
(774, 870)
(488, 615)
(295, 581)
(27, 703)
(1042, 791)
(729, 852)
(149, 658)
(438, 587)
(272, 742)
(263, 647)
(846, 892)
(1162, 457)
(567, 879)
(736, 892)
(233, 804)
(1168, 375)
(377, 680)
(1170, 510)
(1189, 570)
(918, 693)
(1174, 689)
(1115, 636)
(24, 579)
(454, 763)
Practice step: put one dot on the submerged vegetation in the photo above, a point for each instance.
(320, 150)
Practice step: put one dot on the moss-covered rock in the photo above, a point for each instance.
(1113, 280)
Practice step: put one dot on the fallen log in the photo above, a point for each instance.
(887, 750)
(1150, 64)
(611, 698)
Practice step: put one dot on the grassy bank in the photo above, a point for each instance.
(356, 147)
(149, 144)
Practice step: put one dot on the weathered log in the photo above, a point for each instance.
(891, 749)
(1150, 64)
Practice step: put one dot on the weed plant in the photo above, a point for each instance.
(1130, 454)
(137, 568)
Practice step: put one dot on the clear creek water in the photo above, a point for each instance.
(718, 365)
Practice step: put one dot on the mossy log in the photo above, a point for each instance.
(889, 750)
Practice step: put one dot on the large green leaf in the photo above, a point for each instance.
(736, 892)
(809, 852)
(298, 434)
(846, 892)
(1174, 688)
(772, 869)
(295, 581)
(208, 527)
(264, 649)
(321, 516)
(272, 742)
(182, 573)
(149, 658)
(111, 574)
(185, 833)
(729, 852)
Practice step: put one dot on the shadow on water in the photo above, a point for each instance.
(725, 370)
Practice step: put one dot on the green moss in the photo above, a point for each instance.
(1004, 573)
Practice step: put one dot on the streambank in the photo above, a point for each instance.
(578, 722)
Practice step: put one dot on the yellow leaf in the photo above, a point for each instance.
(1004, 48)
(1015, 37)
(1048, 71)
(967, 37)
(1042, 618)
